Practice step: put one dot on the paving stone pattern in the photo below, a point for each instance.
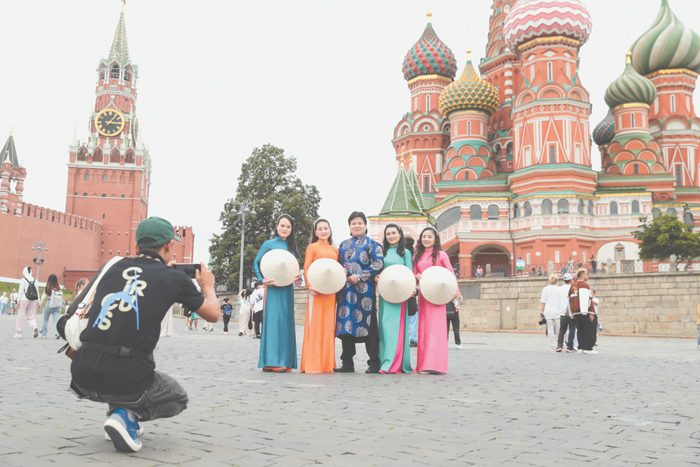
(507, 400)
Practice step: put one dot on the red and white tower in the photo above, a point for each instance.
(109, 174)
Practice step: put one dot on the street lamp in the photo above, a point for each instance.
(245, 209)
(41, 247)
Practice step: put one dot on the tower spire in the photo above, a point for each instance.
(120, 45)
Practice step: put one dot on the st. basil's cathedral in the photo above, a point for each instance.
(499, 159)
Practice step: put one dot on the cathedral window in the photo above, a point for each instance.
(673, 104)
(528, 209)
(84, 194)
(104, 177)
(635, 169)
(635, 207)
(688, 219)
(466, 175)
(475, 212)
(426, 184)
(656, 212)
(549, 71)
(632, 122)
(547, 207)
(563, 206)
(493, 212)
(679, 176)
(671, 212)
(553, 154)
(613, 209)
(104, 195)
(590, 208)
(87, 176)
(568, 70)
(427, 103)
(114, 73)
(127, 75)
(516, 211)
(469, 128)
(580, 206)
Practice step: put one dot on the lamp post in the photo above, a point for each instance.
(40, 247)
(245, 209)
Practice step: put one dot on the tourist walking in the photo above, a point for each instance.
(257, 300)
(432, 338)
(54, 299)
(585, 318)
(26, 304)
(452, 309)
(226, 310)
(566, 321)
(318, 349)
(394, 353)
(356, 318)
(594, 263)
(551, 305)
(14, 298)
(245, 327)
(278, 346)
(4, 300)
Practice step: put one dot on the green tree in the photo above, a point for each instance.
(269, 182)
(667, 236)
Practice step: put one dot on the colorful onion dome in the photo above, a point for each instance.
(605, 131)
(469, 92)
(530, 19)
(630, 88)
(429, 56)
(667, 45)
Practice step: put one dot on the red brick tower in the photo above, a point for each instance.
(109, 174)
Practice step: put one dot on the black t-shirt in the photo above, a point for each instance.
(130, 302)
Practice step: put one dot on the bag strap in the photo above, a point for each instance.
(117, 350)
(88, 297)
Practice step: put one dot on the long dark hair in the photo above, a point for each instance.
(401, 247)
(52, 284)
(314, 237)
(291, 239)
(420, 248)
(355, 215)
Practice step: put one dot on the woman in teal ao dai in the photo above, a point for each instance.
(278, 344)
(393, 318)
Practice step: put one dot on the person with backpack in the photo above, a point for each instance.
(26, 305)
(54, 299)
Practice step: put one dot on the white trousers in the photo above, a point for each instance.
(551, 324)
(243, 318)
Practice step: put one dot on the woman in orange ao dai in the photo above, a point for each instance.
(318, 351)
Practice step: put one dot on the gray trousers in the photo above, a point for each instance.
(165, 398)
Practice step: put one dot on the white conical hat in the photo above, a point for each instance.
(280, 266)
(396, 283)
(438, 285)
(326, 275)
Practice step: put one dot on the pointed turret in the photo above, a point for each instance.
(9, 152)
(120, 45)
(404, 199)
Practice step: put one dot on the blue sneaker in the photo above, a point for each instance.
(139, 432)
(123, 432)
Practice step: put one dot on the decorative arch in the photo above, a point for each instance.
(448, 218)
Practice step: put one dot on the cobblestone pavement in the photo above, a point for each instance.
(507, 399)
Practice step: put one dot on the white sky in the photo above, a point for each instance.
(320, 79)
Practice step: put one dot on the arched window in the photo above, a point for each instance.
(590, 208)
(580, 206)
(84, 194)
(549, 71)
(552, 154)
(127, 75)
(632, 120)
(688, 219)
(104, 177)
(469, 128)
(516, 211)
(528, 209)
(475, 211)
(87, 176)
(656, 212)
(104, 195)
(493, 212)
(673, 103)
(547, 206)
(466, 175)
(635, 207)
(448, 218)
(563, 206)
(427, 103)
(636, 169)
(671, 211)
(613, 208)
(114, 74)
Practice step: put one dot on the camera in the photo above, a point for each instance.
(189, 269)
(543, 321)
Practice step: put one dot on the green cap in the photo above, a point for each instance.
(154, 231)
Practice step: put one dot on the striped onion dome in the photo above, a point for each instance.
(630, 88)
(667, 45)
(469, 92)
(530, 19)
(429, 56)
(605, 131)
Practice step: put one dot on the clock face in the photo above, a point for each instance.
(135, 130)
(109, 122)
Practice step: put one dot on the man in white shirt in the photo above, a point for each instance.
(550, 309)
(566, 321)
(14, 298)
(257, 300)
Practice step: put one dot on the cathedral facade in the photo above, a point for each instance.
(109, 178)
(499, 160)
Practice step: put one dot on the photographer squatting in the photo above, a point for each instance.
(115, 364)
